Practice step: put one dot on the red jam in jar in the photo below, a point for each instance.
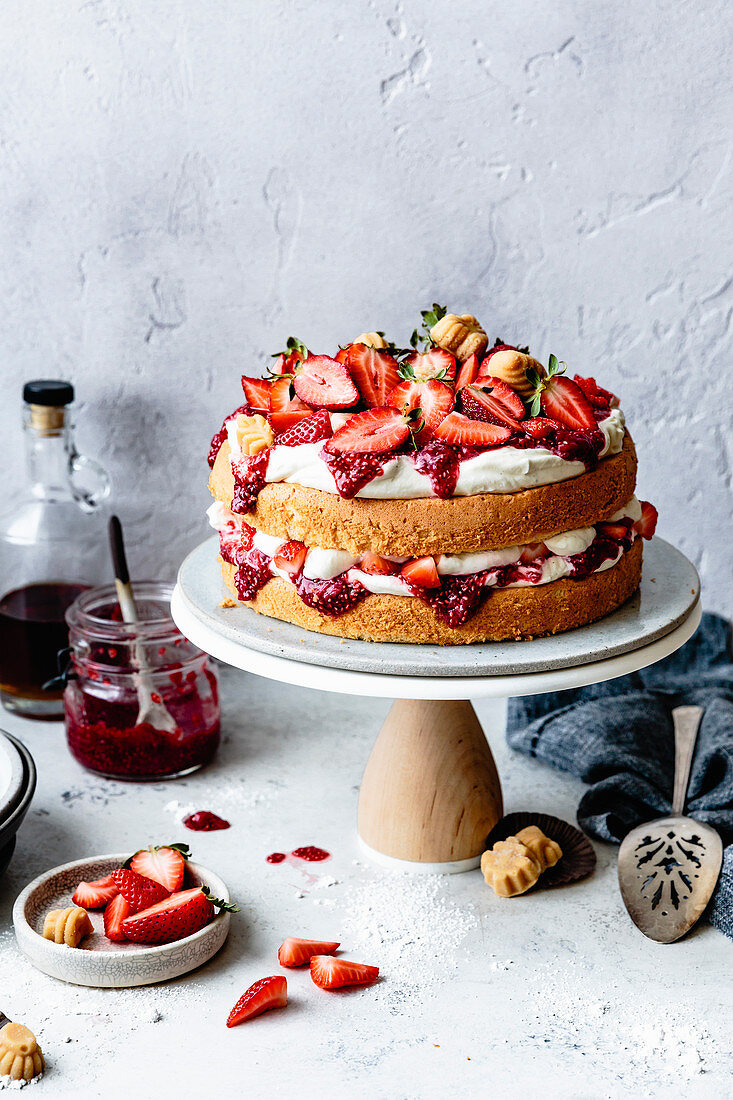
(101, 702)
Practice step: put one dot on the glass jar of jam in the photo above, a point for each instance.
(101, 702)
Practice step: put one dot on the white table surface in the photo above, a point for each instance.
(555, 994)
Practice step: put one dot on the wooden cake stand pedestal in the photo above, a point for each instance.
(430, 792)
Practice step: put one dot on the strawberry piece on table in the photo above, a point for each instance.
(376, 565)
(646, 526)
(309, 429)
(115, 913)
(495, 404)
(286, 410)
(95, 895)
(436, 363)
(421, 572)
(257, 392)
(375, 431)
(374, 372)
(165, 864)
(140, 892)
(325, 383)
(331, 973)
(468, 372)
(291, 557)
(174, 917)
(538, 427)
(563, 400)
(434, 400)
(294, 952)
(460, 431)
(265, 994)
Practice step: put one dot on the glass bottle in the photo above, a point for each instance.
(52, 546)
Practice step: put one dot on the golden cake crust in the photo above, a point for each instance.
(428, 525)
(508, 613)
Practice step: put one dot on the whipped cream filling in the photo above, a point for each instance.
(503, 470)
(324, 564)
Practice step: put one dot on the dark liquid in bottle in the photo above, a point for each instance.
(32, 631)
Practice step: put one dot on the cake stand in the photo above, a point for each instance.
(430, 793)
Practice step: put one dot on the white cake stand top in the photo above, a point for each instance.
(655, 622)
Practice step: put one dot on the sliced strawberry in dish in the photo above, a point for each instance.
(165, 864)
(376, 565)
(257, 392)
(332, 973)
(468, 372)
(286, 410)
(324, 383)
(294, 952)
(539, 427)
(179, 915)
(139, 891)
(494, 402)
(374, 372)
(114, 914)
(291, 557)
(421, 572)
(436, 363)
(374, 431)
(460, 431)
(434, 400)
(95, 895)
(263, 995)
(563, 400)
(647, 524)
(309, 429)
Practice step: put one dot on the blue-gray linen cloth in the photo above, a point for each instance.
(617, 736)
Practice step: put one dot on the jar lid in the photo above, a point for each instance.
(48, 391)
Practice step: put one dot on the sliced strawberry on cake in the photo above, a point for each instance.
(324, 383)
(459, 430)
(561, 399)
(291, 557)
(257, 393)
(424, 365)
(374, 372)
(647, 524)
(377, 431)
(376, 565)
(468, 372)
(422, 572)
(309, 429)
(433, 399)
(494, 402)
(286, 409)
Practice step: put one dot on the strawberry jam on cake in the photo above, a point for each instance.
(450, 492)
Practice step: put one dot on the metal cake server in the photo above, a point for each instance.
(668, 868)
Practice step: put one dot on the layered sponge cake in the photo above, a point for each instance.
(450, 492)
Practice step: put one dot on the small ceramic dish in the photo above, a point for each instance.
(12, 776)
(97, 961)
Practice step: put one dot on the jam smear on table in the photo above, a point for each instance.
(276, 857)
(204, 821)
(311, 854)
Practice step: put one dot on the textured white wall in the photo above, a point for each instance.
(184, 184)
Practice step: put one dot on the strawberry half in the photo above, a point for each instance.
(538, 427)
(647, 525)
(115, 913)
(174, 917)
(375, 431)
(563, 400)
(140, 892)
(375, 373)
(265, 994)
(434, 400)
(460, 431)
(285, 410)
(294, 952)
(95, 895)
(257, 392)
(613, 530)
(324, 383)
(496, 404)
(598, 397)
(421, 572)
(331, 973)
(165, 864)
(376, 565)
(291, 557)
(310, 429)
(424, 365)
(468, 372)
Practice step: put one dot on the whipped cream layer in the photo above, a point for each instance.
(502, 470)
(323, 564)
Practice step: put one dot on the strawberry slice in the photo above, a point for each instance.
(257, 392)
(376, 565)
(286, 410)
(421, 572)
(117, 911)
(646, 526)
(375, 431)
(179, 915)
(309, 429)
(494, 404)
(538, 427)
(598, 397)
(95, 895)
(165, 864)
(291, 557)
(263, 995)
(294, 952)
(434, 400)
(324, 383)
(468, 372)
(140, 892)
(459, 430)
(331, 973)
(436, 363)
(563, 400)
(613, 530)
(375, 373)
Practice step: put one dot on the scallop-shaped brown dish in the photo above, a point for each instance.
(578, 858)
